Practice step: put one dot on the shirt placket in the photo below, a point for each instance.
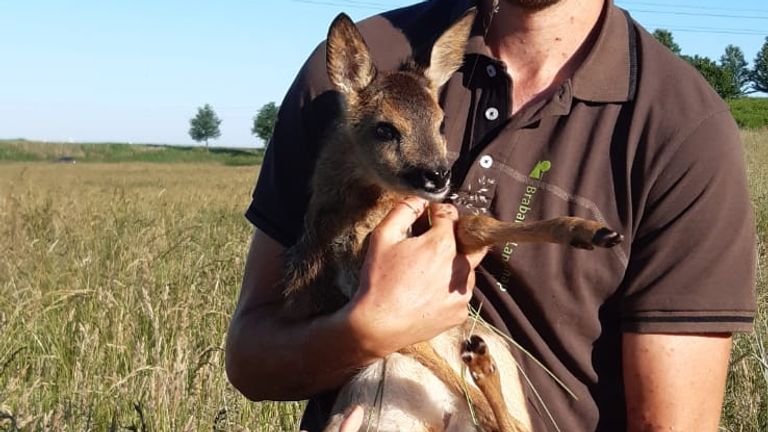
(495, 132)
(474, 169)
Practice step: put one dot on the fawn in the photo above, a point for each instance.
(388, 145)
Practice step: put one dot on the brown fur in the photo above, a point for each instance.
(425, 354)
(485, 373)
(387, 146)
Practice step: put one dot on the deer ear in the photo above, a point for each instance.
(448, 52)
(349, 63)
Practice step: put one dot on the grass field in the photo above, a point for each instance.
(750, 112)
(35, 151)
(116, 285)
(746, 399)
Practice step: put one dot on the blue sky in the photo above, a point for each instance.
(135, 71)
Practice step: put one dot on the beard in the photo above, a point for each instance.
(533, 4)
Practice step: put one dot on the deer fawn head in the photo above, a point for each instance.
(393, 117)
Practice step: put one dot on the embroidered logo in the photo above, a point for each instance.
(478, 200)
(537, 173)
(541, 167)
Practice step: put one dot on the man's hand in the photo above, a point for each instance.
(352, 420)
(412, 288)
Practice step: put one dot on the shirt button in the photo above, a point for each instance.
(490, 70)
(491, 114)
(486, 161)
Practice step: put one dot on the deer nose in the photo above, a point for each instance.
(435, 180)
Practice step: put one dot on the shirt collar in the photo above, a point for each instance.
(609, 72)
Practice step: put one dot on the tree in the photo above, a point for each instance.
(733, 62)
(759, 73)
(264, 122)
(718, 77)
(205, 125)
(665, 37)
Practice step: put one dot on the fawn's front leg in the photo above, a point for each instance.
(476, 232)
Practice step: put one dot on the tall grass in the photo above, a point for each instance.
(746, 399)
(750, 112)
(33, 151)
(116, 285)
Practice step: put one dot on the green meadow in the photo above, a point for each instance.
(117, 281)
(33, 151)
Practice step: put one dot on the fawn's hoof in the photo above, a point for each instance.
(604, 237)
(475, 345)
(588, 234)
(474, 353)
(607, 238)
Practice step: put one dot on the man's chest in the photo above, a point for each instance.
(539, 168)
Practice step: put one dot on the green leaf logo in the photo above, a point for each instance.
(540, 168)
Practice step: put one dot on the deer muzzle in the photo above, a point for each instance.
(432, 181)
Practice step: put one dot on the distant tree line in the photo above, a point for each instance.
(205, 124)
(730, 77)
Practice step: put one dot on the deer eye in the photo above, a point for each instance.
(386, 132)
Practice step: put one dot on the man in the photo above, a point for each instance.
(562, 107)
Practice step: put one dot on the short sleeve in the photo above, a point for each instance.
(282, 191)
(692, 261)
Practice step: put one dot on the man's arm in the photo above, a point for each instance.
(260, 338)
(674, 382)
(411, 289)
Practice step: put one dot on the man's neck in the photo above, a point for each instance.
(542, 48)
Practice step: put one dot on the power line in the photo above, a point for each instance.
(700, 14)
(367, 3)
(375, 6)
(676, 6)
(716, 30)
(342, 4)
(381, 6)
(384, 6)
(749, 32)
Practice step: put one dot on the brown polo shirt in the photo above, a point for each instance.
(636, 139)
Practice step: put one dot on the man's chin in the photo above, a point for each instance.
(533, 5)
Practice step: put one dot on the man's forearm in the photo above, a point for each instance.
(271, 358)
(674, 381)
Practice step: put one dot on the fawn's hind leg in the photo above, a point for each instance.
(476, 232)
(484, 372)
